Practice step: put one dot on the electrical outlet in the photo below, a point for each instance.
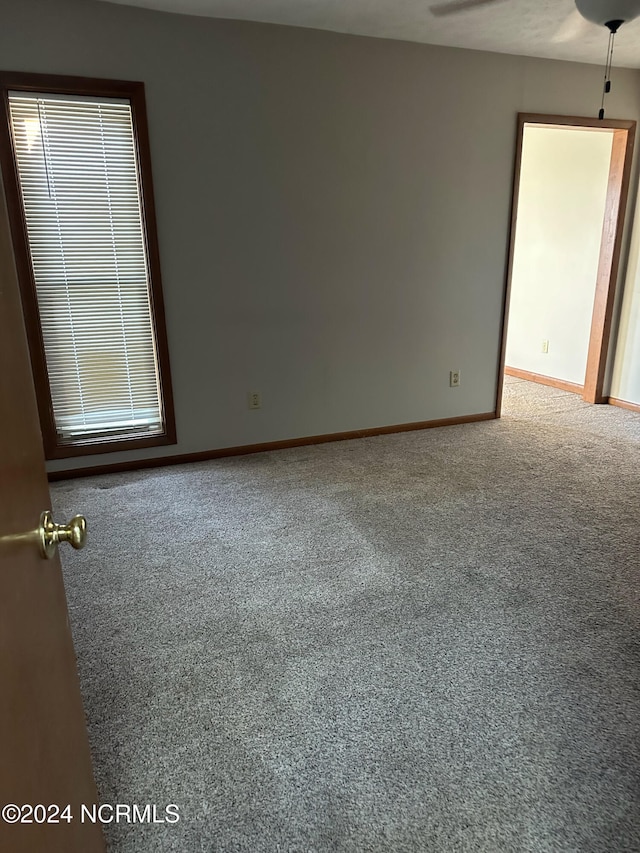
(545, 346)
(254, 400)
(454, 378)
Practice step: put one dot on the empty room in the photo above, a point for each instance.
(287, 563)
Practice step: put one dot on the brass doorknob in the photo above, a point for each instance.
(50, 533)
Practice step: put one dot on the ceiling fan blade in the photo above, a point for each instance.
(455, 6)
(573, 27)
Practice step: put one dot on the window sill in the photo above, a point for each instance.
(110, 444)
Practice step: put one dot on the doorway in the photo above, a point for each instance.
(570, 190)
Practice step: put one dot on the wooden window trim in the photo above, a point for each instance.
(134, 92)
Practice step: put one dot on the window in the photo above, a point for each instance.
(78, 182)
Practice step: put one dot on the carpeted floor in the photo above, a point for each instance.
(420, 642)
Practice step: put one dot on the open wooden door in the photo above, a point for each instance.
(44, 750)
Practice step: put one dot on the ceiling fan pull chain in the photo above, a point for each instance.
(607, 85)
(604, 86)
(607, 72)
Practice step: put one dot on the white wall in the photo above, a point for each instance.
(625, 383)
(561, 205)
(333, 211)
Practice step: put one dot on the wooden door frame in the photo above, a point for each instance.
(610, 243)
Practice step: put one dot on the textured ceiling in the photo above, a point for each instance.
(547, 28)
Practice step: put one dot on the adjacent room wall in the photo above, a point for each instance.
(625, 383)
(333, 211)
(561, 204)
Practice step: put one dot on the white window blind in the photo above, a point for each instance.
(78, 170)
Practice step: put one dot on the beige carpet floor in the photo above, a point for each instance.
(420, 642)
